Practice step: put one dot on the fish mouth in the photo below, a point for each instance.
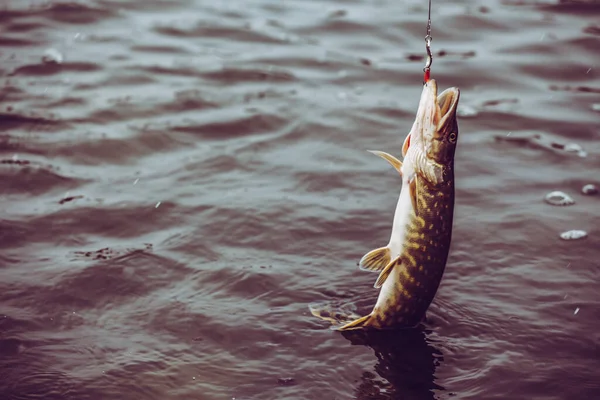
(440, 109)
(435, 115)
(447, 103)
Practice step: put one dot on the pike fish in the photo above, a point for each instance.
(412, 264)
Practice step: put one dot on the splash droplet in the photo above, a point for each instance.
(589, 189)
(575, 148)
(573, 235)
(52, 56)
(576, 311)
(559, 199)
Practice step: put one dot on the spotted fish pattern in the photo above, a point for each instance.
(420, 267)
(411, 266)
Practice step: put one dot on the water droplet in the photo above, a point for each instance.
(52, 56)
(575, 148)
(589, 189)
(572, 147)
(136, 181)
(559, 199)
(157, 204)
(573, 235)
(576, 311)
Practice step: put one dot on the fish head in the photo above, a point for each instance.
(429, 147)
(437, 123)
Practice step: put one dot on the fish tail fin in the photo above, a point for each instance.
(375, 260)
(362, 322)
(336, 315)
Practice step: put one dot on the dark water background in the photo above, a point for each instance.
(181, 178)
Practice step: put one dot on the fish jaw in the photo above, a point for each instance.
(442, 145)
(435, 119)
(433, 137)
(427, 116)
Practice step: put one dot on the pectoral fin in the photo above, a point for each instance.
(375, 260)
(386, 272)
(405, 145)
(413, 194)
(397, 164)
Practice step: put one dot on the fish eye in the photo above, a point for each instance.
(452, 137)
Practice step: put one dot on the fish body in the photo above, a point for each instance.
(424, 241)
(413, 262)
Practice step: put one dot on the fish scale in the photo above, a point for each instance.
(423, 260)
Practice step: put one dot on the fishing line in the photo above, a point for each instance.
(428, 38)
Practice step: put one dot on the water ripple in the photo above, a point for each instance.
(182, 179)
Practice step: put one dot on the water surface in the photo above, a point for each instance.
(181, 178)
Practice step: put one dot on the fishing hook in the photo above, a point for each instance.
(428, 39)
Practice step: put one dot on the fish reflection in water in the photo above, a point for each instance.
(406, 364)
